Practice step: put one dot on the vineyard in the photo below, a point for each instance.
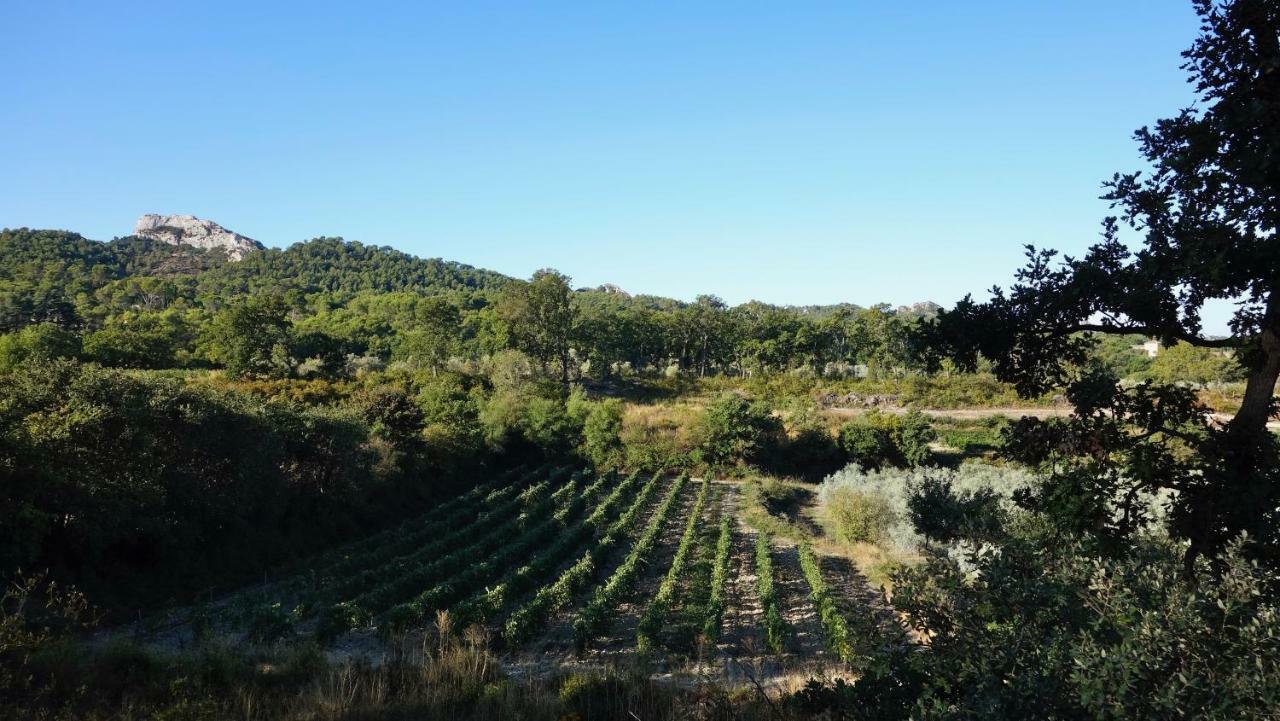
(552, 566)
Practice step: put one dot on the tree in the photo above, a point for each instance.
(540, 318)
(735, 431)
(912, 435)
(251, 337)
(1208, 215)
(602, 434)
(141, 341)
(42, 342)
(1184, 362)
(880, 339)
(434, 334)
(703, 332)
(868, 445)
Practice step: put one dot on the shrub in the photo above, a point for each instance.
(38, 343)
(912, 437)
(594, 695)
(601, 434)
(865, 444)
(268, 623)
(895, 488)
(774, 627)
(876, 440)
(859, 517)
(942, 515)
(736, 432)
(1086, 635)
(777, 495)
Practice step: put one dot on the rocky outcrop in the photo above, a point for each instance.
(925, 309)
(192, 231)
(855, 400)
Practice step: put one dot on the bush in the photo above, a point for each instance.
(942, 515)
(895, 487)
(1046, 627)
(737, 433)
(36, 344)
(602, 434)
(776, 495)
(594, 695)
(141, 487)
(877, 439)
(912, 437)
(865, 444)
(859, 517)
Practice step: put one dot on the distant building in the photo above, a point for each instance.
(1151, 348)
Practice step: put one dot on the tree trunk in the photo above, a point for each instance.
(1260, 389)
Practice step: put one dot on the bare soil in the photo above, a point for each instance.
(967, 414)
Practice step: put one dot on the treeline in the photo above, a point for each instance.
(328, 308)
(135, 303)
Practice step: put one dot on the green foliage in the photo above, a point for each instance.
(522, 622)
(775, 627)
(713, 614)
(1186, 363)
(251, 337)
(162, 486)
(736, 432)
(36, 344)
(1123, 355)
(594, 695)
(36, 615)
(942, 515)
(269, 623)
(839, 636)
(857, 516)
(483, 605)
(1083, 636)
(602, 434)
(1199, 213)
(912, 436)
(878, 439)
(654, 616)
(539, 316)
(971, 438)
(878, 506)
(865, 444)
(450, 418)
(597, 615)
(433, 337)
(809, 451)
(146, 341)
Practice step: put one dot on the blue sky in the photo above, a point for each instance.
(788, 152)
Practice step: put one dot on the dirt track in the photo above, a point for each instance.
(963, 413)
(972, 414)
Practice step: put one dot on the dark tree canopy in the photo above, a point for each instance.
(1207, 212)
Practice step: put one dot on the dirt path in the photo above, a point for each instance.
(973, 414)
(962, 413)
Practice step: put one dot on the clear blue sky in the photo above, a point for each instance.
(790, 152)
